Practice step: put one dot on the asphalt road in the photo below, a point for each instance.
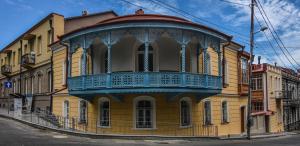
(13, 133)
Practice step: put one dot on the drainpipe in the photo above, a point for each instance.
(67, 64)
(223, 61)
(51, 65)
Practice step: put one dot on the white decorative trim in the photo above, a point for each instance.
(149, 98)
(189, 101)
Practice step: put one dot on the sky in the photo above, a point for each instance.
(229, 16)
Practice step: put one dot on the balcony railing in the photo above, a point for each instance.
(278, 94)
(28, 59)
(144, 80)
(6, 69)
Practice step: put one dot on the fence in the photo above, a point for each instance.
(121, 127)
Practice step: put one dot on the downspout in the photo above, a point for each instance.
(224, 60)
(68, 62)
(51, 66)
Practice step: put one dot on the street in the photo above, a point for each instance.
(15, 133)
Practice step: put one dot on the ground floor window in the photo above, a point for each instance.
(207, 113)
(225, 118)
(104, 112)
(185, 112)
(144, 112)
(83, 111)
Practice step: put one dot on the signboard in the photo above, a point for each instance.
(17, 107)
(8, 84)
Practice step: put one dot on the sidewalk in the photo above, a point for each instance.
(37, 122)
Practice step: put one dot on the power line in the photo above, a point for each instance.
(235, 3)
(276, 33)
(271, 45)
(275, 38)
(183, 13)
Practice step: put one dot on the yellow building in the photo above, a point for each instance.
(26, 63)
(146, 74)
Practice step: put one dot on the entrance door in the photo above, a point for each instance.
(267, 119)
(66, 114)
(242, 119)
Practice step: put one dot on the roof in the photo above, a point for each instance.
(90, 15)
(30, 29)
(141, 17)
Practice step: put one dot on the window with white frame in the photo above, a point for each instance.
(39, 44)
(39, 83)
(244, 70)
(104, 112)
(226, 75)
(82, 111)
(63, 73)
(207, 113)
(185, 112)
(225, 118)
(144, 110)
(256, 82)
(26, 85)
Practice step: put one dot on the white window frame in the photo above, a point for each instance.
(63, 72)
(152, 100)
(79, 111)
(100, 101)
(39, 78)
(227, 112)
(226, 75)
(204, 113)
(189, 101)
(245, 80)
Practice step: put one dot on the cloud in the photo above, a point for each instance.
(284, 16)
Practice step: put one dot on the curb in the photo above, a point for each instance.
(141, 137)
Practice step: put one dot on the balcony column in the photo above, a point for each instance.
(205, 71)
(84, 59)
(220, 67)
(183, 62)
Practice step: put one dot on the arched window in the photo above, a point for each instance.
(83, 111)
(144, 112)
(185, 112)
(207, 112)
(140, 56)
(104, 112)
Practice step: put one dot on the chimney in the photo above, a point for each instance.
(139, 12)
(84, 12)
(259, 57)
(275, 64)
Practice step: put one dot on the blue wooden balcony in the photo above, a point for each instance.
(144, 82)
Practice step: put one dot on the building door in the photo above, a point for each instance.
(242, 119)
(66, 114)
(267, 119)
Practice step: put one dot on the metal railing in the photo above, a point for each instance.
(144, 79)
(28, 59)
(6, 69)
(292, 126)
(117, 127)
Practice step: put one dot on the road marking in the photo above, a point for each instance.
(60, 136)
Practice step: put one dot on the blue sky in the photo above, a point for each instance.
(19, 15)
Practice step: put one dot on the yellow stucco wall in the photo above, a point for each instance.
(40, 31)
(167, 112)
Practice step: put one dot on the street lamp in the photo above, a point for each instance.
(264, 28)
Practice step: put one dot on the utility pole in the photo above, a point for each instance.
(249, 118)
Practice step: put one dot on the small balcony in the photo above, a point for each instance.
(145, 82)
(278, 95)
(6, 69)
(28, 60)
